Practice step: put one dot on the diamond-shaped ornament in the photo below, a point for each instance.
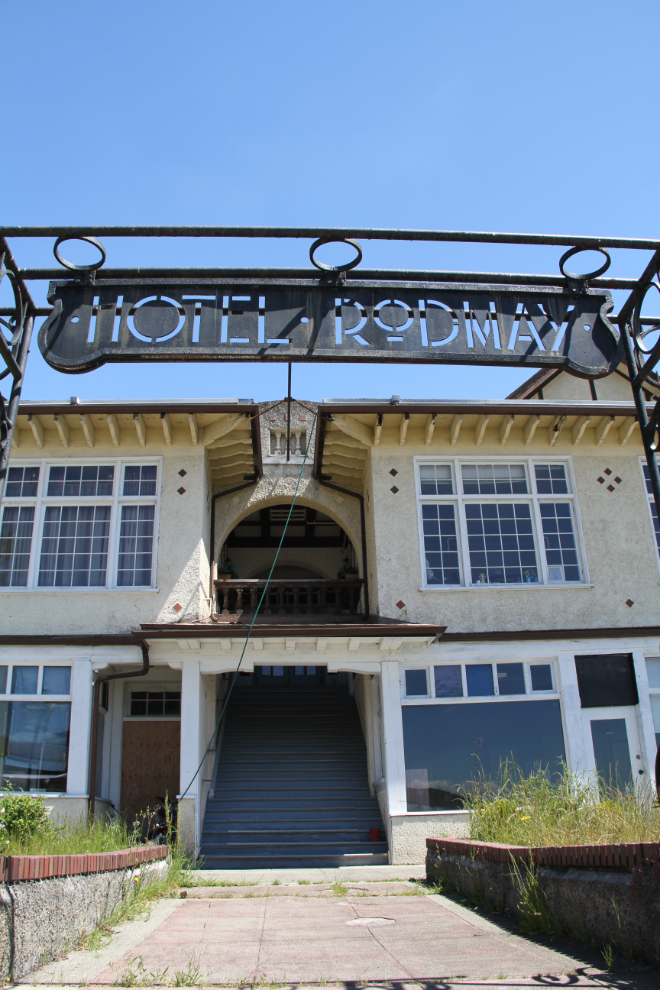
(394, 489)
(181, 490)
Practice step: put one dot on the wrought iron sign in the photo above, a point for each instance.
(323, 313)
(274, 320)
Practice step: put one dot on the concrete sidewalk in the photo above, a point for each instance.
(366, 929)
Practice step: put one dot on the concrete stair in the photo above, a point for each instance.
(291, 785)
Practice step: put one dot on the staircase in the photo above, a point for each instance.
(291, 785)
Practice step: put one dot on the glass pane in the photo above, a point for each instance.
(34, 744)
(15, 545)
(56, 680)
(653, 671)
(278, 671)
(435, 479)
(541, 677)
(24, 680)
(611, 751)
(501, 543)
(559, 541)
(172, 703)
(3, 680)
(416, 683)
(448, 683)
(511, 678)
(494, 479)
(139, 703)
(655, 711)
(551, 479)
(447, 746)
(440, 544)
(606, 681)
(479, 677)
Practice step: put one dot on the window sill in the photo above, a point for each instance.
(479, 699)
(425, 814)
(505, 587)
(83, 590)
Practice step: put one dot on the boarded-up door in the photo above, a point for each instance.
(150, 765)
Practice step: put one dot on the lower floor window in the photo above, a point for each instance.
(34, 745)
(448, 746)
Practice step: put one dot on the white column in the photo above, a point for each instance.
(376, 727)
(395, 769)
(644, 715)
(191, 697)
(115, 721)
(81, 727)
(577, 755)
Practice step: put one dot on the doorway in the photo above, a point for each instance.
(613, 744)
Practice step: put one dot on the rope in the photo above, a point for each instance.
(254, 618)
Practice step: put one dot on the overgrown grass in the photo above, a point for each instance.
(73, 838)
(566, 809)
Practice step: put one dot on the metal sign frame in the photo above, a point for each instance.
(480, 308)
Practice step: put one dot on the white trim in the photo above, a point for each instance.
(532, 498)
(116, 501)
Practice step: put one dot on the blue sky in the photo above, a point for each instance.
(397, 113)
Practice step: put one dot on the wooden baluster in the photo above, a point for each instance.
(239, 599)
(224, 593)
(296, 599)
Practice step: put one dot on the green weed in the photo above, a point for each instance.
(560, 809)
(608, 955)
(192, 976)
(339, 889)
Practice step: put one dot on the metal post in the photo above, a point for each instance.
(626, 316)
(288, 418)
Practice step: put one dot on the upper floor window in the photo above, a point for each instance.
(80, 525)
(652, 507)
(498, 522)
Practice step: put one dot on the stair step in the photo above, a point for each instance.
(291, 786)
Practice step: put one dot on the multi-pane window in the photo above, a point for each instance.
(35, 713)
(485, 523)
(140, 479)
(81, 481)
(463, 721)
(154, 703)
(74, 546)
(79, 526)
(652, 505)
(22, 482)
(15, 545)
(479, 680)
(136, 540)
(440, 544)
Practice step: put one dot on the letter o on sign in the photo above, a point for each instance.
(400, 321)
(156, 318)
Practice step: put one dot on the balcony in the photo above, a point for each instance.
(296, 601)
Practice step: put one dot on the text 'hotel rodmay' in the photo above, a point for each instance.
(460, 583)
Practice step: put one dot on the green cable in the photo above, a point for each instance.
(254, 618)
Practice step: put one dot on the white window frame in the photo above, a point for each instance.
(430, 698)
(41, 501)
(459, 500)
(649, 504)
(653, 691)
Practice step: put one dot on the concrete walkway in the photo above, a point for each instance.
(369, 925)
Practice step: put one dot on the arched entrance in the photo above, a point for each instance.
(316, 572)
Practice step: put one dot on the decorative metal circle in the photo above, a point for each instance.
(587, 275)
(335, 240)
(79, 268)
(639, 334)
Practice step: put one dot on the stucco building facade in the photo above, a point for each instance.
(460, 583)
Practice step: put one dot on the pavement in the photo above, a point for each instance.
(368, 926)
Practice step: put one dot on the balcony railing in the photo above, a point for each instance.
(235, 596)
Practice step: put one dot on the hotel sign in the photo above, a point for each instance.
(299, 320)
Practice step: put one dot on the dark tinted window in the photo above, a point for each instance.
(416, 682)
(479, 677)
(448, 683)
(447, 746)
(510, 678)
(541, 677)
(56, 680)
(606, 681)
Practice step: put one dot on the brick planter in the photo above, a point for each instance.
(47, 903)
(13, 868)
(606, 894)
